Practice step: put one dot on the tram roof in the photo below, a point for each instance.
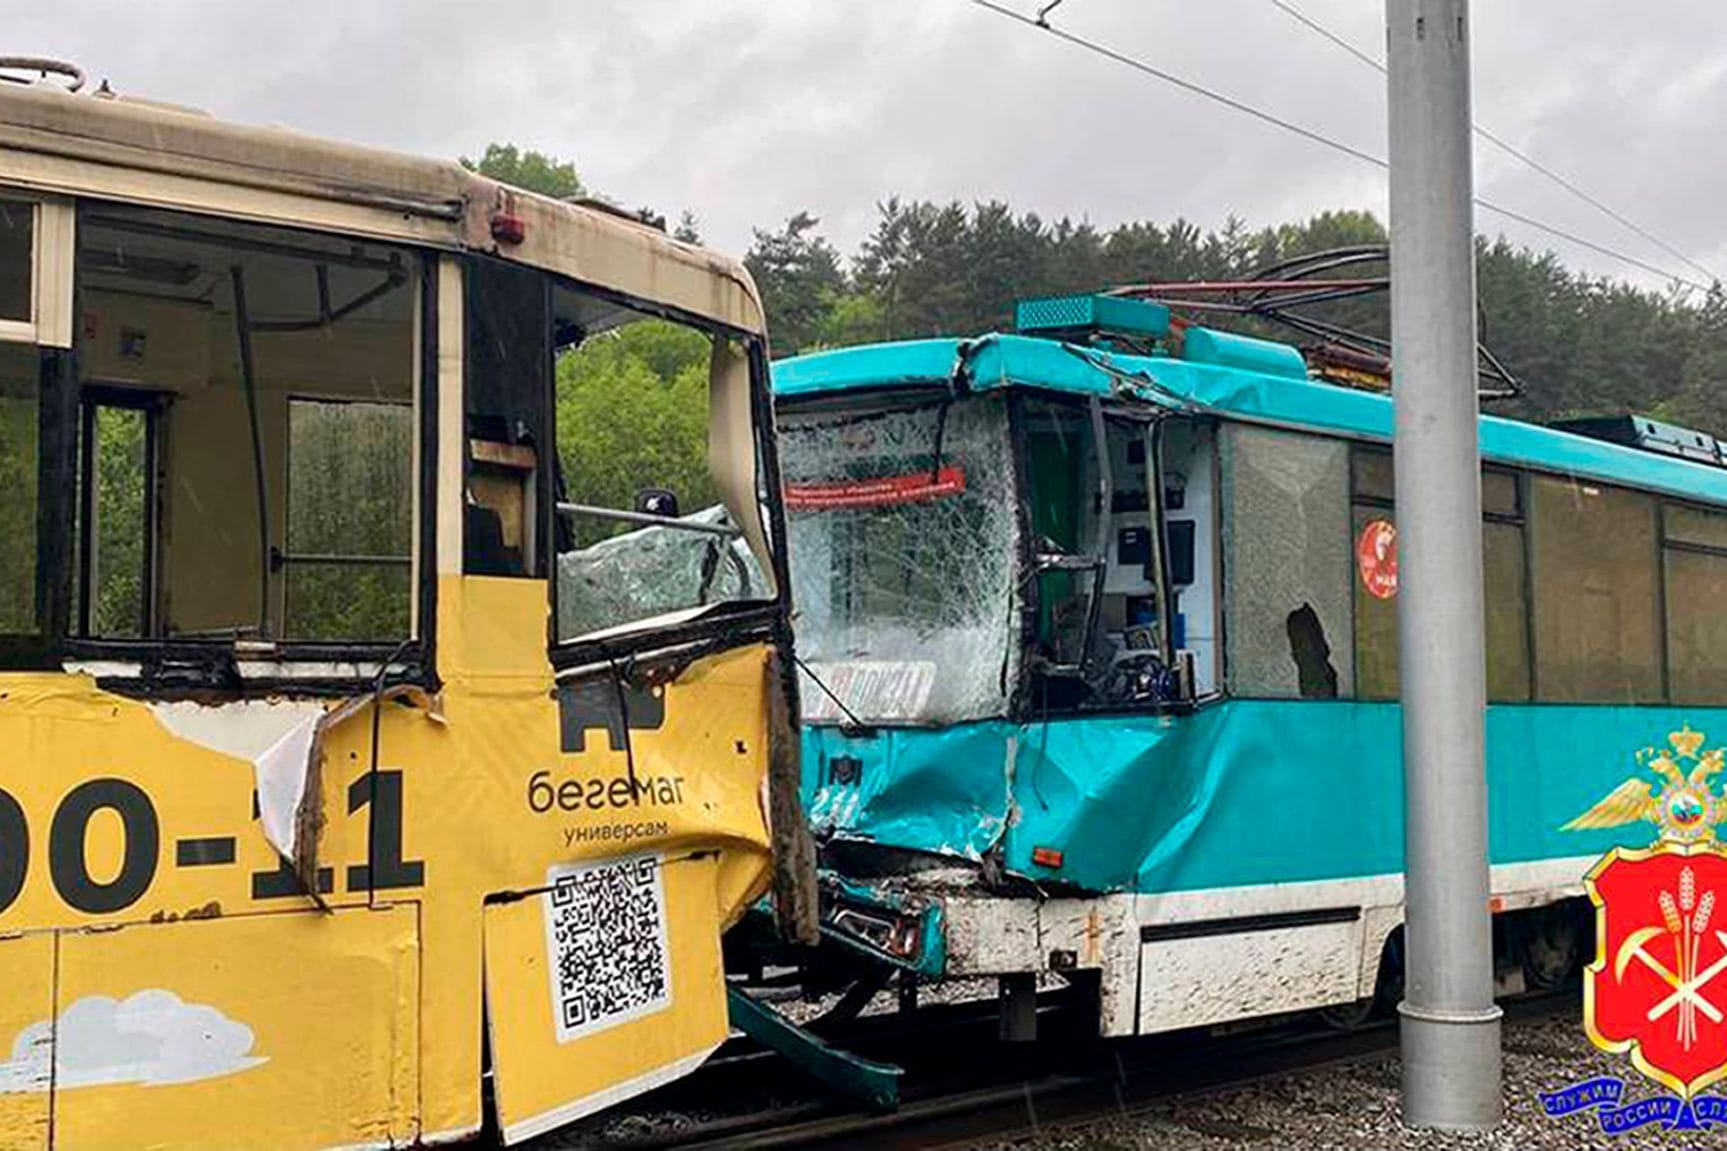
(999, 361)
(140, 151)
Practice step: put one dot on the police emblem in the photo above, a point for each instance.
(1657, 989)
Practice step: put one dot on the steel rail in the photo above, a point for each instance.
(1061, 1084)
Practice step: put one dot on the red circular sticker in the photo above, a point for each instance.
(1376, 558)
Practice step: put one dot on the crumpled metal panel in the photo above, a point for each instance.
(944, 791)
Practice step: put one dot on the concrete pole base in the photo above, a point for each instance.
(1450, 1068)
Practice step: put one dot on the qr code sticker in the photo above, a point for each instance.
(606, 936)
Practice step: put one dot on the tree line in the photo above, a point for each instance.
(1578, 343)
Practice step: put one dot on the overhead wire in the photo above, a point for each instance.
(1320, 138)
(1179, 82)
(1504, 145)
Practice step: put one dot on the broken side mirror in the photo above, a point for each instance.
(657, 502)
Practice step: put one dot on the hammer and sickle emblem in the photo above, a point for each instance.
(1684, 990)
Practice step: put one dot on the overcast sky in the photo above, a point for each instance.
(745, 111)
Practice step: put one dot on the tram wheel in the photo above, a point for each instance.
(1552, 946)
(1349, 1016)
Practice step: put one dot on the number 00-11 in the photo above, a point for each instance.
(378, 793)
(66, 835)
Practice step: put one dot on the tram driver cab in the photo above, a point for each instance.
(1048, 545)
(1114, 624)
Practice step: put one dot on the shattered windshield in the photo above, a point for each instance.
(653, 571)
(902, 537)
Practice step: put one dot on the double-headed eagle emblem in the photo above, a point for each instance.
(1684, 806)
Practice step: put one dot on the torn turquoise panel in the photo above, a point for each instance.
(937, 790)
(928, 959)
(1019, 361)
(872, 1083)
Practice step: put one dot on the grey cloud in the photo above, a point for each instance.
(747, 110)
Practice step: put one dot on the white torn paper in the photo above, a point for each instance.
(281, 771)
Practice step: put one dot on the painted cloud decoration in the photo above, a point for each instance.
(152, 1038)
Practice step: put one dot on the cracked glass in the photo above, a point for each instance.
(903, 540)
(1287, 599)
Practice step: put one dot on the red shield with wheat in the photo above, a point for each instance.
(1658, 987)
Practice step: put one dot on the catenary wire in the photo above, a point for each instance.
(1504, 145)
(1322, 139)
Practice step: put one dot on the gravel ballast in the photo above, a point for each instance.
(1355, 1106)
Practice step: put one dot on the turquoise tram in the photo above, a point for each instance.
(1098, 622)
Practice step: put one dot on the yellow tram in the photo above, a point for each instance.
(348, 744)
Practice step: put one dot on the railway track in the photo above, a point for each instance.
(962, 1087)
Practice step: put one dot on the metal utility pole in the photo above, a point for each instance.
(1450, 1025)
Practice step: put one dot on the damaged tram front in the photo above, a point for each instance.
(376, 725)
(976, 553)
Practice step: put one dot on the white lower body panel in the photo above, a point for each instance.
(1191, 958)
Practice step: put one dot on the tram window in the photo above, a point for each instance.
(509, 360)
(17, 231)
(1061, 481)
(1695, 563)
(18, 482)
(903, 564)
(350, 520)
(1372, 481)
(1696, 627)
(633, 395)
(1507, 609)
(1287, 604)
(1371, 475)
(1099, 636)
(1376, 643)
(227, 329)
(1597, 625)
(117, 498)
(1376, 646)
(1499, 493)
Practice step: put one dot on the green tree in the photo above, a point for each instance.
(533, 171)
(688, 229)
(798, 273)
(18, 460)
(350, 492)
(1700, 401)
(632, 413)
(117, 601)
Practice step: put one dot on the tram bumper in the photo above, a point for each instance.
(941, 930)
